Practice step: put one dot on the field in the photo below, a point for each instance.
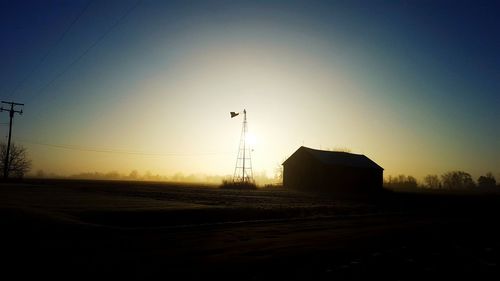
(135, 230)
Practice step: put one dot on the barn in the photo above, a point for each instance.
(312, 169)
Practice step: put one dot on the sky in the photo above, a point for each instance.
(148, 85)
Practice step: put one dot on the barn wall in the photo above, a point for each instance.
(352, 179)
(305, 173)
(302, 171)
(299, 171)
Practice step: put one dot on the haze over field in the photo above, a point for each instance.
(148, 85)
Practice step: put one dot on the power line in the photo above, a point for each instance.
(116, 151)
(86, 51)
(49, 52)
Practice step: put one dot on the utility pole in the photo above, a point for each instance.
(11, 114)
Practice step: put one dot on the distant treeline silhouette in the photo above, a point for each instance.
(453, 180)
(260, 178)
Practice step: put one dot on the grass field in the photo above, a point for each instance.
(138, 230)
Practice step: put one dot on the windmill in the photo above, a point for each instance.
(243, 169)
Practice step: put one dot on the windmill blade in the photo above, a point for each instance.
(234, 114)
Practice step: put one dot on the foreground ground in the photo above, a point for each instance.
(129, 230)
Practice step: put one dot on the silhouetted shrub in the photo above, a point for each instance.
(487, 181)
(270, 186)
(227, 184)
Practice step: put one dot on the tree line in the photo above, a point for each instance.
(19, 165)
(453, 180)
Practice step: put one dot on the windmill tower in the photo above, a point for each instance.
(243, 170)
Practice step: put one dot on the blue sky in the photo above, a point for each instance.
(414, 85)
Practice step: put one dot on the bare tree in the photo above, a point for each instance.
(278, 172)
(40, 174)
(134, 175)
(402, 181)
(432, 181)
(457, 180)
(487, 181)
(19, 164)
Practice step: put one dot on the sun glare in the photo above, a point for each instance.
(251, 140)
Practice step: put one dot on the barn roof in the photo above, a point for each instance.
(339, 158)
